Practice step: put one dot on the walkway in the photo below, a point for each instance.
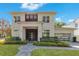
(26, 50)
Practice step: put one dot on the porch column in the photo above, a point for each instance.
(21, 33)
(39, 32)
(52, 29)
(24, 33)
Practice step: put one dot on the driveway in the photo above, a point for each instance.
(74, 45)
(26, 50)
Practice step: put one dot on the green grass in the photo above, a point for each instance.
(9, 49)
(54, 52)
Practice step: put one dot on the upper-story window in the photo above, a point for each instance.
(27, 17)
(46, 19)
(17, 18)
(35, 16)
(31, 17)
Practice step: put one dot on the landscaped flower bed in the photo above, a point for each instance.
(60, 43)
(14, 40)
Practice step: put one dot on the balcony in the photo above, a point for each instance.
(31, 17)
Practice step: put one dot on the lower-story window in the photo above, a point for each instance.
(16, 30)
(45, 33)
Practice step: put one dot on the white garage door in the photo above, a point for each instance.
(63, 36)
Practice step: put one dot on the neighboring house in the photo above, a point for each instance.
(4, 27)
(76, 25)
(33, 26)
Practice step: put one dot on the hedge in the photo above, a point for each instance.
(62, 44)
(15, 42)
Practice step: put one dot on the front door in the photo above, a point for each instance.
(31, 34)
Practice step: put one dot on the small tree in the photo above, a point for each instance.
(59, 24)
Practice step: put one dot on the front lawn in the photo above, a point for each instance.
(54, 52)
(9, 46)
(9, 49)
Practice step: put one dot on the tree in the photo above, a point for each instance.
(59, 24)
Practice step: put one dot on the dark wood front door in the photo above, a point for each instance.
(31, 34)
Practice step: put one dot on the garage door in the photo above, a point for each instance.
(63, 36)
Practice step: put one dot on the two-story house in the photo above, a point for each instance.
(32, 25)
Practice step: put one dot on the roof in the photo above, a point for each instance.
(70, 27)
(66, 28)
(76, 20)
(34, 12)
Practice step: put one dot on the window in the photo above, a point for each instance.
(16, 30)
(35, 16)
(31, 17)
(46, 33)
(17, 18)
(46, 19)
(76, 25)
(27, 17)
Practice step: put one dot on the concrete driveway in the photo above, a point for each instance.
(74, 45)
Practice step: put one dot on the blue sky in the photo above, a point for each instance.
(66, 12)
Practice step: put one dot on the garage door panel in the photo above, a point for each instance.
(63, 36)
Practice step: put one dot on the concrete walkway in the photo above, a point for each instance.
(26, 50)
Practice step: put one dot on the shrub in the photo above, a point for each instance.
(16, 38)
(15, 42)
(44, 43)
(62, 44)
(35, 43)
(8, 37)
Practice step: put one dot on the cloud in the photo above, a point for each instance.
(59, 19)
(71, 20)
(31, 6)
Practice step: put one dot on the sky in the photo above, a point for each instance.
(66, 12)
